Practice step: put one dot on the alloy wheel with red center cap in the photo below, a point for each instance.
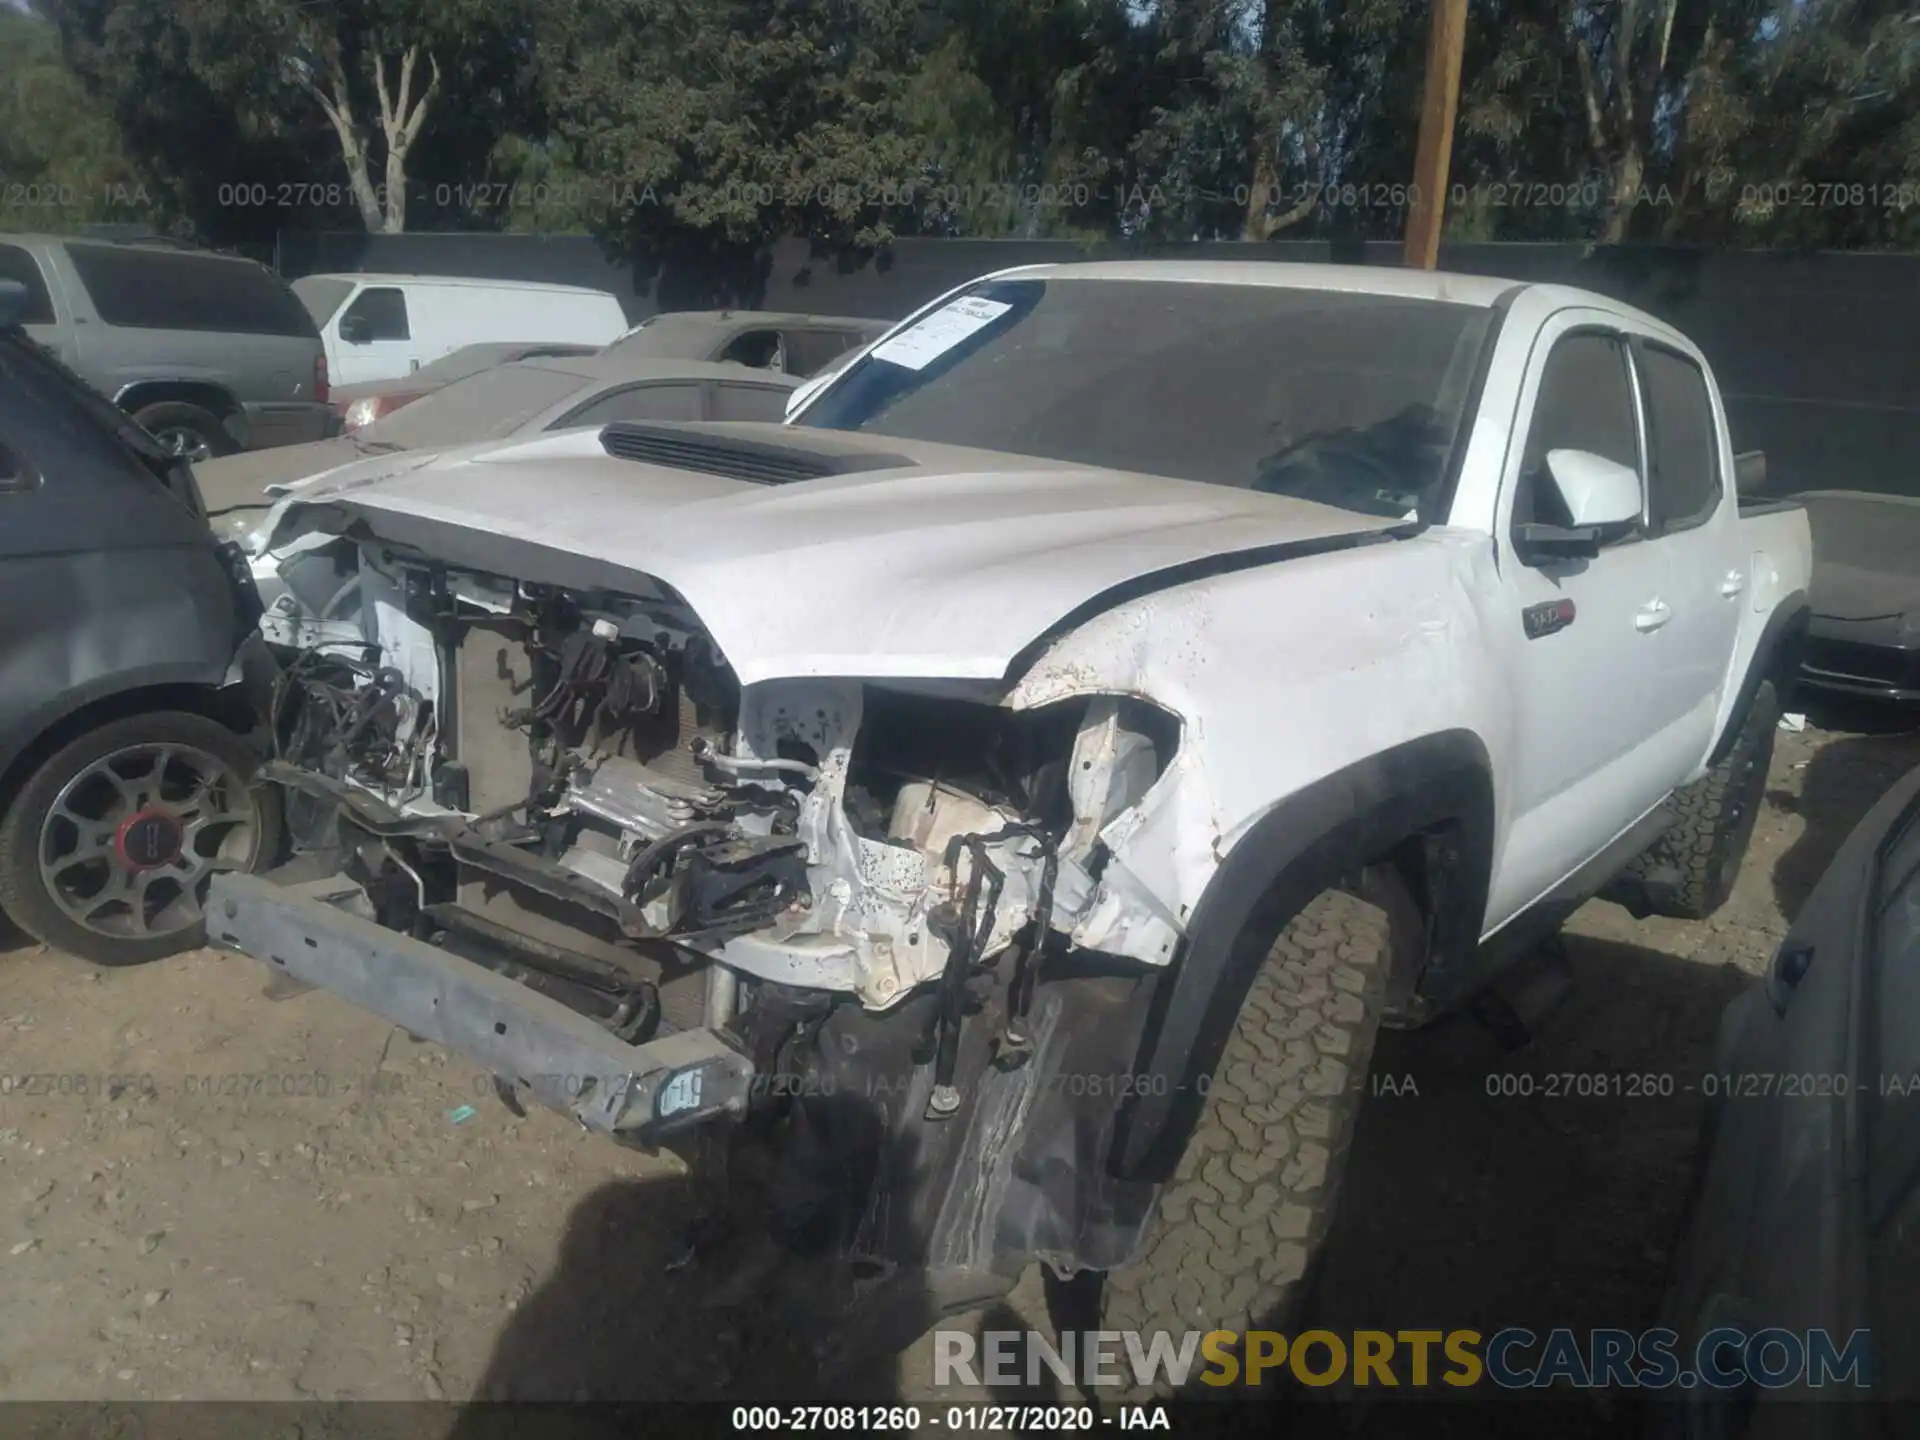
(130, 843)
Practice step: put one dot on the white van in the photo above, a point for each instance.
(379, 327)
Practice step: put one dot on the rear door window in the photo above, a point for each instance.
(18, 264)
(1683, 471)
(152, 289)
(381, 312)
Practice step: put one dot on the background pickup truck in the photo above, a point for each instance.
(1017, 789)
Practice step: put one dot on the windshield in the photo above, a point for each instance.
(322, 296)
(488, 406)
(1348, 399)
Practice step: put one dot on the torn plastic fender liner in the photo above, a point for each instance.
(1017, 1174)
(564, 1059)
(1162, 851)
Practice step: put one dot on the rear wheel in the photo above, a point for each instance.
(1233, 1241)
(1689, 872)
(185, 430)
(109, 847)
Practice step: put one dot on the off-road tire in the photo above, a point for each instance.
(1236, 1231)
(23, 894)
(1688, 873)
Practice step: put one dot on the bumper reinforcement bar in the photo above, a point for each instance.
(562, 1058)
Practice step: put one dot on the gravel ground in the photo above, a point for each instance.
(223, 1196)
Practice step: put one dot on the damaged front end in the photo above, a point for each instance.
(548, 828)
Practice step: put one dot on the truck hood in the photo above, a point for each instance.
(910, 561)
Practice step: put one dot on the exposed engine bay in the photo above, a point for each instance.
(581, 773)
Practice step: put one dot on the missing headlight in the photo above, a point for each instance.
(1058, 767)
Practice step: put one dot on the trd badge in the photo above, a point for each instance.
(1546, 618)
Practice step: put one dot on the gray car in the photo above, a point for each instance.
(133, 682)
(523, 398)
(1796, 1279)
(360, 405)
(1865, 635)
(210, 353)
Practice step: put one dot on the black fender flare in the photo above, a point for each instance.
(1441, 782)
(185, 686)
(1783, 642)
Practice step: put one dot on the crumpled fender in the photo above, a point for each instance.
(1331, 707)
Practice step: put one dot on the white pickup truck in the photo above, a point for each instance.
(1019, 787)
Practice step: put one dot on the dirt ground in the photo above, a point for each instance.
(208, 1194)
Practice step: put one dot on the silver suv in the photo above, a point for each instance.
(210, 353)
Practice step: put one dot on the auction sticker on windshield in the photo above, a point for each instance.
(920, 345)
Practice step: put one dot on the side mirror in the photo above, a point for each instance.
(1601, 498)
(1750, 473)
(13, 303)
(355, 330)
(1596, 491)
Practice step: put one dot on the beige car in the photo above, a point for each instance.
(796, 345)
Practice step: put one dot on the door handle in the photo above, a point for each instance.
(1735, 582)
(1652, 616)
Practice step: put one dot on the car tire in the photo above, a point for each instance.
(137, 814)
(1235, 1233)
(1689, 872)
(185, 430)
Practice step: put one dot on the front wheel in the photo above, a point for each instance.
(1237, 1228)
(108, 849)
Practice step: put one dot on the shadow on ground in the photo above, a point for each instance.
(621, 1320)
(1840, 783)
(12, 937)
(1492, 1192)
(1479, 1196)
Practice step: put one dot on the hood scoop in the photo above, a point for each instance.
(754, 461)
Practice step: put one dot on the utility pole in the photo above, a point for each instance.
(1439, 102)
